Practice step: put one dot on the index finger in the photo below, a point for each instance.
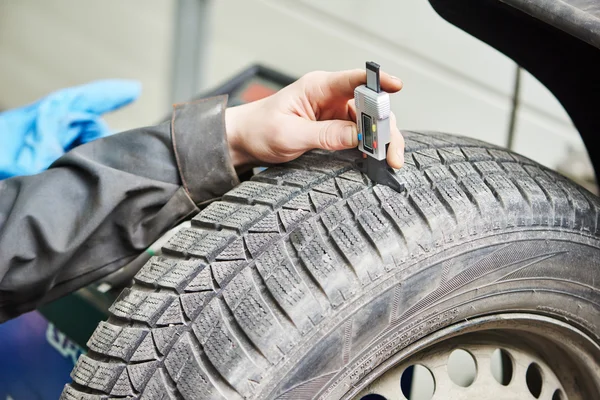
(343, 83)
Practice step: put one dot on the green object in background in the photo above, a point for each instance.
(77, 315)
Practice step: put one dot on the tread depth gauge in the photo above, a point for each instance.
(373, 122)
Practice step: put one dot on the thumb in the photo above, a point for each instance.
(331, 135)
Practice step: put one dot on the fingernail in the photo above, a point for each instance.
(400, 153)
(397, 79)
(350, 136)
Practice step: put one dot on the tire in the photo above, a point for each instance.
(302, 282)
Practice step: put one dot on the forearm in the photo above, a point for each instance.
(101, 204)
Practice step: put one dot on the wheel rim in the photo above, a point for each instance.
(544, 358)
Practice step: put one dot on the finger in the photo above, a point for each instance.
(343, 83)
(351, 106)
(326, 135)
(395, 156)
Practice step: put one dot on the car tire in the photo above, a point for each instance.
(309, 281)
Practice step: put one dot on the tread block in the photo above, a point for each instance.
(247, 192)
(430, 140)
(96, 374)
(300, 202)
(413, 227)
(172, 315)
(255, 317)
(253, 192)
(291, 218)
(463, 170)
(438, 173)
(184, 367)
(579, 204)
(345, 155)
(335, 215)
(192, 303)
(211, 245)
(353, 175)
(277, 195)
(558, 201)
(224, 349)
(234, 251)
(157, 388)
(328, 187)
(426, 158)
(291, 177)
(168, 273)
(123, 385)
(353, 247)
(378, 229)
(322, 200)
(535, 171)
(145, 351)
(287, 287)
(487, 167)
(519, 213)
(411, 145)
(481, 195)
(216, 212)
(402, 213)
(476, 154)
(155, 269)
(456, 200)
(522, 160)
(70, 393)
(203, 280)
(500, 155)
(411, 177)
(314, 162)
(302, 235)
(348, 188)
(245, 217)
(229, 215)
(268, 224)
(223, 271)
(324, 266)
(256, 242)
(541, 209)
(147, 307)
(434, 214)
(116, 341)
(363, 202)
(514, 169)
(165, 337)
(451, 155)
(140, 373)
(183, 240)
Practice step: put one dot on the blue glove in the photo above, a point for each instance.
(34, 136)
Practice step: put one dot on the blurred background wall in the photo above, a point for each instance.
(453, 82)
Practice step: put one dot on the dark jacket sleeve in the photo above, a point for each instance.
(101, 204)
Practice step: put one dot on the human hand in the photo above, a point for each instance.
(315, 112)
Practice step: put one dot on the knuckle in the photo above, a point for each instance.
(327, 140)
(313, 76)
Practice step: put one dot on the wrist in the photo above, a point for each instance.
(233, 130)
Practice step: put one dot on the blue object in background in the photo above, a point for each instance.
(34, 136)
(35, 358)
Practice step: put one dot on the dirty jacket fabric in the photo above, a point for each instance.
(100, 205)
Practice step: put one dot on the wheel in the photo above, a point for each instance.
(309, 282)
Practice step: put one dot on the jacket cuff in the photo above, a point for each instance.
(201, 148)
